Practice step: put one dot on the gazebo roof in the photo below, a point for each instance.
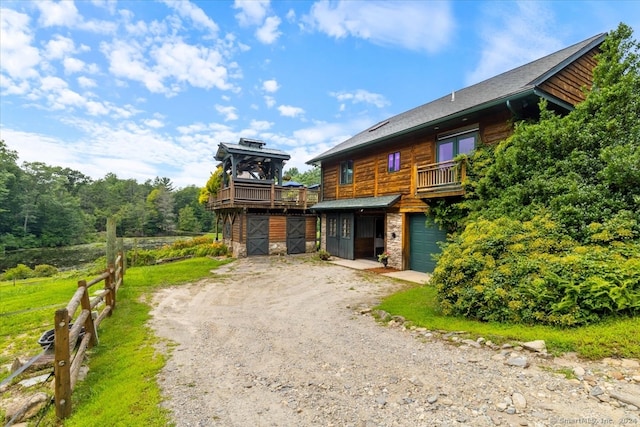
(249, 149)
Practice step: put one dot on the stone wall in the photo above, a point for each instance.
(394, 244)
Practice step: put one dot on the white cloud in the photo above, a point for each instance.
(62, 13)
(73, 65)
(269, 33)
(19, 57)
(252, 12)
(187, 9)
(270, 101)
(109, 5)
(229, 112)
(59, 47)
(270, 86)
(291, 15)
(290, 111)
(127, 60)
(414, 25)
(361, 96)
(199, 66)
(153, 123)
(261, 125)
(65, 14)
(86, 82)
(513, 37)
(175, 62)
(11, 87)
(95, 108)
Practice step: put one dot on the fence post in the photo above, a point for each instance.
(122, 265)
(62, 364)
(108, 291)
(85, 303)
(112, 285)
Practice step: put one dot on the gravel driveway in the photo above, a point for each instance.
(287, 341)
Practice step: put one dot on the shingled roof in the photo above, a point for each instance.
(512, 84)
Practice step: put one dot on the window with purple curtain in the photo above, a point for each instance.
(394, 162)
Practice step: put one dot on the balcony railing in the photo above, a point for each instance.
(441, 179)
(263, 195)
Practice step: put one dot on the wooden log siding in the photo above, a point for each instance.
(277, 228)
(310, 228)
(568, 84)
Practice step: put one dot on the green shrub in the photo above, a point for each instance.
(18, 272)
(324, 255)
(198, 247)
(45, 270)
(506, 270)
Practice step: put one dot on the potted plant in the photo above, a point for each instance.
(384, 258)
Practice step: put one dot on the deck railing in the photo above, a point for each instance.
(263, 195)
(440, 177)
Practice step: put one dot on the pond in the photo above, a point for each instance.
(72, 256)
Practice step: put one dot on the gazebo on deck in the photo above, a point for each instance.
(259, 214)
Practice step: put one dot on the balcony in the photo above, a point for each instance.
(261, 194)
(440, 179)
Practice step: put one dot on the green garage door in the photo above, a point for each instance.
(423, 243)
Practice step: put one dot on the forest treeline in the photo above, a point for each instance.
(46, 206)
(50, 206)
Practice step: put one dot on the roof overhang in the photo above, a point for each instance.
(357, 203)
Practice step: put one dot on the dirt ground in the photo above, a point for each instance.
(282, 341)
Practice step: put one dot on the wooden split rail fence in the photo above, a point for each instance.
(68, 331)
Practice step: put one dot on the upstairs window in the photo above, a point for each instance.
(346, 172)
(393, 164)
(448, 147)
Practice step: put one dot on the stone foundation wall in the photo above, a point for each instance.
(394, 244)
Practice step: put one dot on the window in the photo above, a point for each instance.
(449, 147)
(332, 227)
(346, 172)
(394, 162)
(345, 233)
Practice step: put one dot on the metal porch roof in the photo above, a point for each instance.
(357, 203)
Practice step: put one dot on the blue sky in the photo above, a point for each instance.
(145, 89)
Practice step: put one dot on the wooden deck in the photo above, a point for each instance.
(263, 195)
(440, 179)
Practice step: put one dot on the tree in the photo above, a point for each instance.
(310, 177)
(553, 231)
(187, 220)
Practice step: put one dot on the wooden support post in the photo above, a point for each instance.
(111, 240)
(112, 285)
(62, 365)
(273, 194)
(89, 326)
(108, 293)
(122, 264)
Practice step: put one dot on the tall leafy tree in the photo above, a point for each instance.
(553, 232)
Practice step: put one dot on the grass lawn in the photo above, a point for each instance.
(121, 387)
(612, 338)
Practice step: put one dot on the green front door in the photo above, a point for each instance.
(423, 243)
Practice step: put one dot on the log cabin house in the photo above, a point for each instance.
(377, 186)
(258, 213)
